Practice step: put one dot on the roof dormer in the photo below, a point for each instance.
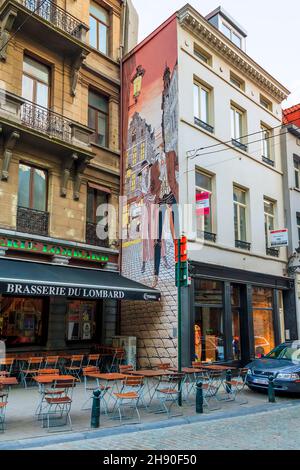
(221, 20)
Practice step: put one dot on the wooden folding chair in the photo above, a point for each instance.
(129, 396)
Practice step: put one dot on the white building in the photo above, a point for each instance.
(241, 301)
(291, 168)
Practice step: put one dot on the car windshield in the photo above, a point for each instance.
(289, 352)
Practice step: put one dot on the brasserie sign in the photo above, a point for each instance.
(51, 249)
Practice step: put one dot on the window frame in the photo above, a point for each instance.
(36, 80)
(236, 81)
(233, 31)
(242, 113)
(265, 103)
(296, 163)
(103, 113)
(31, 186)
(266, 142)
(107, 25)
(208, 90)
(298, 224)
(244, 206)
(268, 216)
(202, 55)
(201, 189)
(94, 208)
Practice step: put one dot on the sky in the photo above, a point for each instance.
(272, 25)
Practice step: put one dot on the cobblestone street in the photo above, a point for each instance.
(275, 429)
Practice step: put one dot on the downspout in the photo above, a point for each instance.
(120, 228)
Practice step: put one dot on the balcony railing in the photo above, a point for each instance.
(92, 238)
(239, 145)
(272, 252)
(46, 121)
(60, 18)
(268, 161)
(32, 221)
(203, 124)
(242, 245)
(208, 236)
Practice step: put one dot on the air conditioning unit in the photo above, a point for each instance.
(128, 343)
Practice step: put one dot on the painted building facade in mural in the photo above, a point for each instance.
(150, 178)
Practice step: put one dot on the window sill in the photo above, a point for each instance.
(105, 56)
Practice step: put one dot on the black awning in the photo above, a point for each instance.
(25, 278)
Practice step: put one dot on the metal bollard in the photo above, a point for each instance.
(199, 398)
(95, 417)
(271, 392)
(228, 380)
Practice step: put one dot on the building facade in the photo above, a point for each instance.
(290, 147)
(59, 160)
(226, 171)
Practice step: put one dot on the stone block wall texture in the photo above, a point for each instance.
(153, 323)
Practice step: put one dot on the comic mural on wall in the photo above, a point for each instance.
(150, 179)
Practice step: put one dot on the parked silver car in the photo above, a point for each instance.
(283, 363)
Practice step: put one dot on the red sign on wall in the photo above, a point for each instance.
(203, 203)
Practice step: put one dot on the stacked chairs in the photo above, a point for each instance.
(58, 402)
(3, 405)
(129, 397)
(75, 367)
(169, 392)
(30, 368)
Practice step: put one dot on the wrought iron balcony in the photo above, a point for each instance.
(243, 245)
(46, 121)
(272, 252)
(268, 161)
(32, 221)
(203, 124)
(239, 145)
(208, 236)
(48, 10)
(92, 238)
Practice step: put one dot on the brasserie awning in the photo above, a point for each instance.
(25, 278)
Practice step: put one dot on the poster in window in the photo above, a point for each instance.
(86, 330)
(73, 330)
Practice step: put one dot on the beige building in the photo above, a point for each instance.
(59, 159)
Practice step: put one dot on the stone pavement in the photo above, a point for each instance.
(277, 428)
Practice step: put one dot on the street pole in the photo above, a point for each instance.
(179, 334)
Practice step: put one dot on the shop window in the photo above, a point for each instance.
(32, 192)
(208, 292)
(98, 117)
(209, 337)
(99, 27)
(236, 327)
(263, 323)
(81, 320)
(22, 321)
(204, 185)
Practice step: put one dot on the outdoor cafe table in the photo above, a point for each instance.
(149, 374)
(8, 381)
(111, 379)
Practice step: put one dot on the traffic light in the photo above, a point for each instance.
(183, 250)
